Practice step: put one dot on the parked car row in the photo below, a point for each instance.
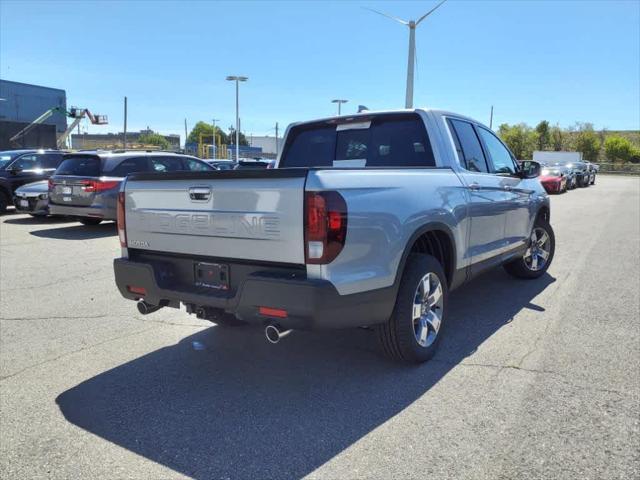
(84, 185)
(560, 176)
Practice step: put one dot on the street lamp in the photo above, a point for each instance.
(339, 102)
(237, 79)
(215, 144)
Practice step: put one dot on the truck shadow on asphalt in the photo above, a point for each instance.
(78, 232)
(232, 406)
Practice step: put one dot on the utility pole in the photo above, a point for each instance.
(276, 139)
(491, 119)
(124, 139)
(185, 135)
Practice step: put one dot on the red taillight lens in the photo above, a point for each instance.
(122, 230)
(51, 184)
(325, 226)
(137, 290)
(92, 186)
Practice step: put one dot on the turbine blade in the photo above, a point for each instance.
(387, 15)
(429, 12)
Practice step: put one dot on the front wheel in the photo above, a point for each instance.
(413, 332)
(90, 221)
(538, 256)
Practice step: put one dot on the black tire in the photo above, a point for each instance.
(521, 268)
(398, 336)
(4, 202)
(90, 221)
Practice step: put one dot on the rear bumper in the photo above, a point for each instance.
(310, 304)
(79, 211)
(37, 206)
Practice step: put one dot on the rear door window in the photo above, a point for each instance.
(51, 160)
(468, 146)
(166, 164)
(396, 140)
(130, 165)
(81, 166)
(194, 165)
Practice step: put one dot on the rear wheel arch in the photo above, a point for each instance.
(435, 239)
(544, 213)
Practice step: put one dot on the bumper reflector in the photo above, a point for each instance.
(137, 290)
(272, 312)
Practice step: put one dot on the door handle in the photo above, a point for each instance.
(507, 188)
(199, 194)
(474, 186)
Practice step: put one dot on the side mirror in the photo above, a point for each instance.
(15, 170)
(530, 169)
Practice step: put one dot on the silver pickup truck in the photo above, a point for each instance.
(366, 220)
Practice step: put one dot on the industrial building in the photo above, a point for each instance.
(21, 104)
(268, 144)
(109, 141)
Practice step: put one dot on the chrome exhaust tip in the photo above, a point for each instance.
(146, 308)
(274, 334)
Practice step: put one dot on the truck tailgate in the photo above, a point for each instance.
(248, 215)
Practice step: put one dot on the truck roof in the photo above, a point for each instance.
(369, 113)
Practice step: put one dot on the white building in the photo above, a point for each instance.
(267, 143)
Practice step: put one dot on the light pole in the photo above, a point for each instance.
(237, 79)
(215, 145)
(339, 102)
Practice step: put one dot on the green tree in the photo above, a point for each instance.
(543, 135)
(557, 138)
(586, 141)
(154, 139)
(620, 149)
(241, 137)
(206, 130)
(519, 138)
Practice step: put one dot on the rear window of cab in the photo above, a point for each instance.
(393, 140)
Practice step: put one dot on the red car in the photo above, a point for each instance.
(553, 180)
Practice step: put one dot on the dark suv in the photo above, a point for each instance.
(18, 167)
(86, 185)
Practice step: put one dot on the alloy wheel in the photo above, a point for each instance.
(536, 256)
(427, 309)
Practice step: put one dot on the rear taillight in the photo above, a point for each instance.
(96, 186)
(325, 226)
(51, 184)
(122, 230)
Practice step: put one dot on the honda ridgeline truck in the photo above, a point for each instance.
(366, 220)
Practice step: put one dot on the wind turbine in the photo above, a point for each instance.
(412, 24)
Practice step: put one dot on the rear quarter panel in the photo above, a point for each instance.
(385, 208)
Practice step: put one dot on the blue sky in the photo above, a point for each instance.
(563, 61)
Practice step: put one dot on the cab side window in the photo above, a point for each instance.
(500, 156)
(27, 162)
(468, 146)
(166, 164)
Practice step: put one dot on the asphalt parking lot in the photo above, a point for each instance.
(534, 379)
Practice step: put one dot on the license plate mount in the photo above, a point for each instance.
(24, 203)
(211, 275)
